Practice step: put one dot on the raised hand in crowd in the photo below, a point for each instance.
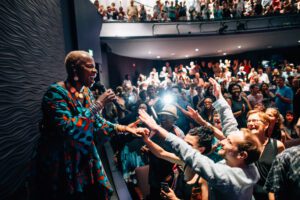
(137, 131)
(216, 88)
(193, 114)
(148, 120)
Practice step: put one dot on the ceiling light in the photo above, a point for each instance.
(239, 46)
(196, 49)
(149, 52)
(224, 54)
(186, 56)
(157, 56)
(219, 51)
(298, 41)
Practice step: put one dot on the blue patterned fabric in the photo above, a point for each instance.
(67, 154)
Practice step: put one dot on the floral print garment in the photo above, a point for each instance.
(67, 147)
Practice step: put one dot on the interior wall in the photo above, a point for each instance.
(118, 66)
(32, 50)
(88, 27)
(103, 69)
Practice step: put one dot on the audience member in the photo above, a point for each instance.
(283, 96)
(159, 169)
(232, 178)
(132, 12)
(283, 179)
(255, 97)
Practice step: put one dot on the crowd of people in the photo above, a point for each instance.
(198, 10)
(254, 94)
(210, 130)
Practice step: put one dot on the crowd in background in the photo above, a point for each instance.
(199, 10)
(166, 95)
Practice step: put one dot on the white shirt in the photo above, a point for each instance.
(263, 78)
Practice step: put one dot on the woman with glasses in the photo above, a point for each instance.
(259, 123)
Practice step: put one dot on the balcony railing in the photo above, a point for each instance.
(230, 26)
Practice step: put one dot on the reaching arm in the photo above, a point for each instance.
(217, 133)
(217, 175)
(229, 123)
(193, 114)
(75, 124)
(151, 123)
(161, 153)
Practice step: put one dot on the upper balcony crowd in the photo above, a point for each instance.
(170, 11)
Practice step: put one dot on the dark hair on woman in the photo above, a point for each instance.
(232, 85)
(252, 86)
(205, 135)
(261, 85)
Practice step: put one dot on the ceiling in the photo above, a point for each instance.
(207, 46)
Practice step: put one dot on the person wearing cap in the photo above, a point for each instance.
(159, 169)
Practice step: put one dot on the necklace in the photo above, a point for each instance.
(78, 95)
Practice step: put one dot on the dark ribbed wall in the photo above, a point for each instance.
(32, 51)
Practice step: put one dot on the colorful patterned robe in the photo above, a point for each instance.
(67, 157)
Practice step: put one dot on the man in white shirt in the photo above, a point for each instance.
(262, 77)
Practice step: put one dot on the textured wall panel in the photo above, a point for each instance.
(31, 57)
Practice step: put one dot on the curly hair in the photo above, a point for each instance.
(205, 135)
(232, 85)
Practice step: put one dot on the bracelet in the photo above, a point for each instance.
(208, 125)
(120, 128)
(96, 107)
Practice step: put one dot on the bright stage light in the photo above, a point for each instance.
(168, 99)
